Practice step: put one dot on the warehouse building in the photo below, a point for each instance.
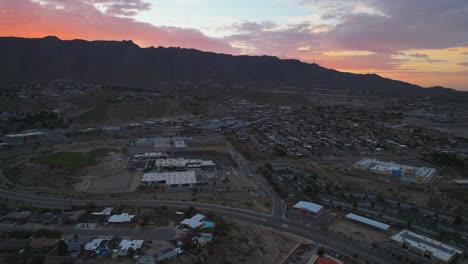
(151, 156)
(171, 178)
(308, 208)
(181, 164)
(368, 221)
(436, 251)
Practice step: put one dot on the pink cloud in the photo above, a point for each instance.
(71, 19)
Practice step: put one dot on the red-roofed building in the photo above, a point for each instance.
(325, 261)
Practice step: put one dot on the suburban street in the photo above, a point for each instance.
(271, 221)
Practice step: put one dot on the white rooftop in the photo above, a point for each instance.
(172, 177)
(28, 134)
(93, 245)
(368, 221)
(313, 207)
(105, 211)
(126, 244)
(122, 218)
(194, 222)
(179, 144)
(461, 181)
(439, 250)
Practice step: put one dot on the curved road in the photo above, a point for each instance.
(273, 221)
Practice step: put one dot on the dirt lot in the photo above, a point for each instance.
(359, 232)
(251, 244)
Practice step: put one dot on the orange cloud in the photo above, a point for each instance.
(72, 19)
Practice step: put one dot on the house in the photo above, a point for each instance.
(194, 222)
(121, 219)
(97, 244)
(125, 245)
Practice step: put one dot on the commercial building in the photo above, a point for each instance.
(172, 178)
(419, 174)
(438, 252)
(151, 156)
(308, 207)
(181, 164)
(368, 221)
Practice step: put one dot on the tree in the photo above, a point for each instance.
(321, 251)
(458, 220)
(62, 248)
(131, 252)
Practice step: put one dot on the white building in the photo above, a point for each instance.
(308, 207)
(120, 219)
(438, 252)
(97, 242)
(194, 222)
(105, 211)
(181, 164)
(368, 221)
(171, 178)
(125, 245)
(419, 174)
(151, 155)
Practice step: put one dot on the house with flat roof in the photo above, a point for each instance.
(120, 219)
(194, 222)
(125, 245)
(436, 251)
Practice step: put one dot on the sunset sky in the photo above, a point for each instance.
(419, 41)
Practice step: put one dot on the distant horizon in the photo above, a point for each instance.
(420, 42)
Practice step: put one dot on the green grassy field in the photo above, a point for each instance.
(73, 160)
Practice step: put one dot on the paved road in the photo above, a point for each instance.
(159, 234)
(272, 221)
(277, 209)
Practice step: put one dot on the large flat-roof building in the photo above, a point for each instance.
(437, 251)
(171, 178)
(151, 156)
(417, 174)
(368, 221)
(181, 164)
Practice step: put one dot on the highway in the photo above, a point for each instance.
(272, 221)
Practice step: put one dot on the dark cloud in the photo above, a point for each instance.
(463, 64)
(267, 38)
(419, 55)
(403, 25)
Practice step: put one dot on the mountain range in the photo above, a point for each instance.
(123, 63)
